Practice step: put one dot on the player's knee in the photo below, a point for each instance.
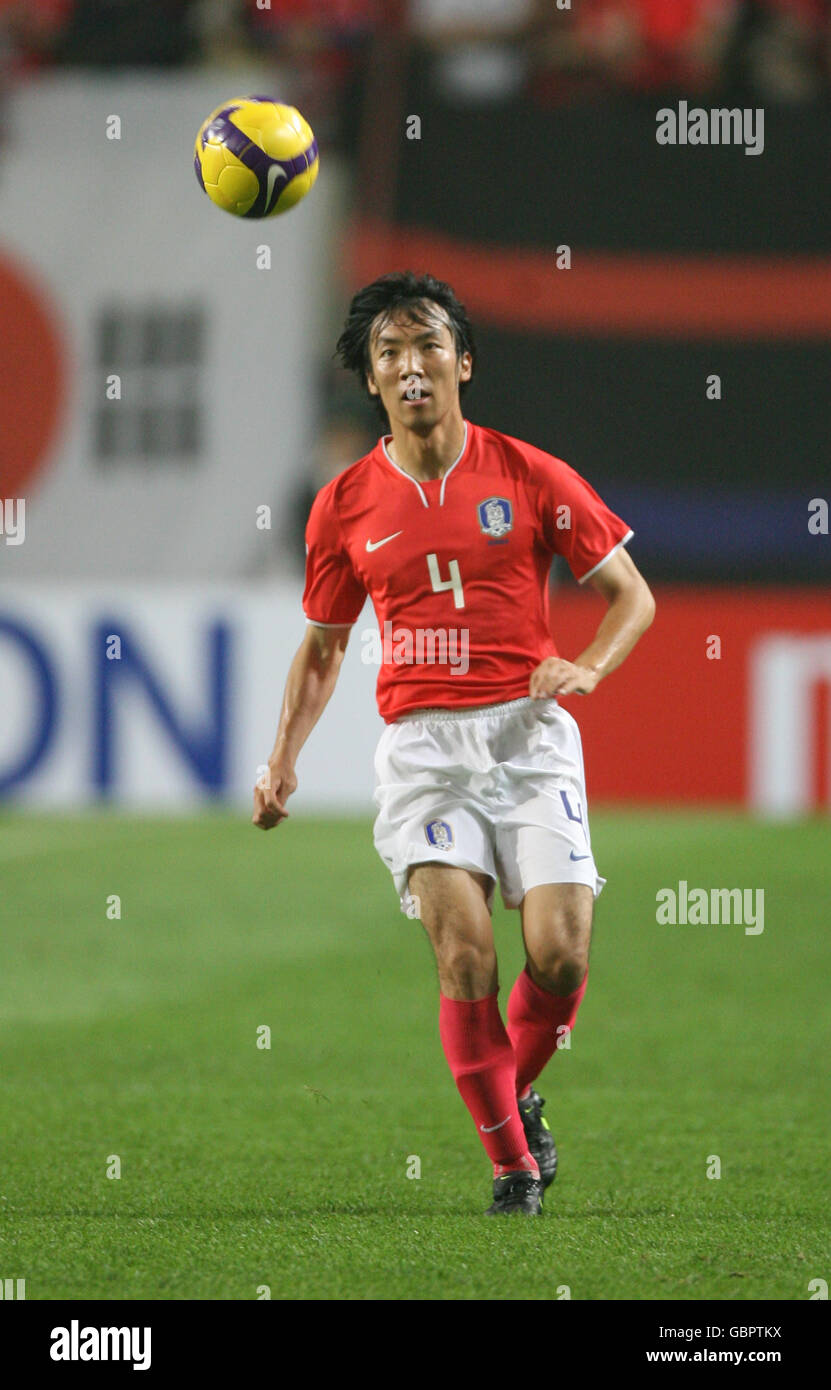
(560, 969)
(557, 947)
(466, 965)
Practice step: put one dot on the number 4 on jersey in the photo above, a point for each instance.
(454, 582)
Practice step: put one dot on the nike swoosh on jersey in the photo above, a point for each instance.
(575, 857)
(488, 1129)
(373, 545)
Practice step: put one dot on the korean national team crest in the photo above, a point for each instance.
(495, 517)
(439, 834)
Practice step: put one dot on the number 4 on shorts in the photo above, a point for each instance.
(568, 810)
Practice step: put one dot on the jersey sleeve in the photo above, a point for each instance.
(333, 596)
(576, 523)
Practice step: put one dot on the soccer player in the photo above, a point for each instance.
(451, 529)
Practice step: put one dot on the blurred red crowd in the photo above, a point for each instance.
(628, 44)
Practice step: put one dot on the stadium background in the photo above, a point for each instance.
(144, 514)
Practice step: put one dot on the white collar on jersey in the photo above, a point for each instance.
(404, 474)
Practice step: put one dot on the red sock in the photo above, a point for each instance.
(534, 1016)
(481, 1058)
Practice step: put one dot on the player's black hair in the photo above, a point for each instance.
(401, 290)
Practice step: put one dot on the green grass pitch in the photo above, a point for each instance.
(244, 1167)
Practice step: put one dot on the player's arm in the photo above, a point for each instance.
(312, 677)
(631, 608)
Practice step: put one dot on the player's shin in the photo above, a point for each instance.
(480, 1056)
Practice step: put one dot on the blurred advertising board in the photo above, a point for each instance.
(167, 697)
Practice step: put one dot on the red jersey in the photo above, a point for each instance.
(456, 567)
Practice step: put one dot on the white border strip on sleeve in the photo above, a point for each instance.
(313, 623)
(600, 563)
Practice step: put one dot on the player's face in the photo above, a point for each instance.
(415, 369)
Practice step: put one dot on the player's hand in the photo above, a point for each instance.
(557, 677)
(271, 794)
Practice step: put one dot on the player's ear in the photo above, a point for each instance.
(371, 385)
(465, 366)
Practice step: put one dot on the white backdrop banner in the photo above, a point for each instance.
(168, 697)
(158, 378)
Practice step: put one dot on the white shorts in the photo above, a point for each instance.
(498, 789)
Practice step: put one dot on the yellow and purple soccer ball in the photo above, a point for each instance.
(255, 157)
